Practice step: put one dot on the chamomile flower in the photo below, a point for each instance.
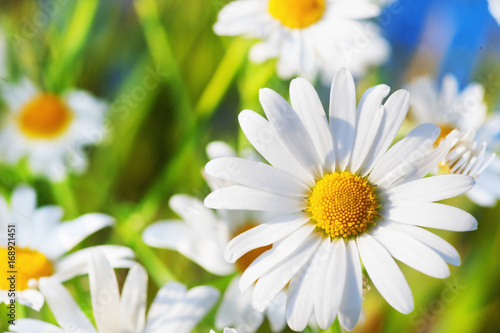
(350, 197)
(308, 36)
(464, 110)
(202, 236)
(42, 244)
(174, 309)
(49, 130)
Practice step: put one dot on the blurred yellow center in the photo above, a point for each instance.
(297, 13)
(343, 204)
(445, 130)
(29, 264)
(44, 117)
(248, 258)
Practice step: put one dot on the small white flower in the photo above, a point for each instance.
(349, 195)
(464, 110)
(42, 243)
(308, 36)
(174, 309)
(202, 236)
(49, 130)
(494, 6)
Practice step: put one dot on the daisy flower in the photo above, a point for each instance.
(350, 197)
(48, 129)
(466, 111)
(202, 236)
(174, 309)
(42, 244)
(308, 36)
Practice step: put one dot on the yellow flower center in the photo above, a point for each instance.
(445, 130)
(29, 264)
(248, 258)
(297, 13)
(44, 117)
(343, 204)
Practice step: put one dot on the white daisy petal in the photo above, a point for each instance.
(27, 325)
(265, 140)
(357, 9)
(23, 205)
(241, 197)
(192, 211)
(31, 298)
(133, 299)
(105, 294)
(396, 108)
(305, 101)
(290, 129)
(439, 245)
(329, 295)
(280, 251)
(239, 17)
(400, 159)
(166, 234)
(69, 234)
(411, 252)
(166, 297)
(64, 308)
(431, 215)
(45, 219)
(302, 286)
(183, 315)
(342, 116)
(352, 295)
(276, 313)
(269, 285)
(76, 264)
(369, 115)
(263, 234)
(385, 274)
(256, 175)
(217, 149)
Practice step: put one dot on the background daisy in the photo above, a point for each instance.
(49, 130)
(174, 309)
(202, 236)
(308, 37)
(43, 243)
(465, 110)
(349, 197)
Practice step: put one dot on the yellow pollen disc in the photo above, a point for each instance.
(297, 13)
(343, 204)
(44, 117)
(445, 130)
(29, 264)
(249, 257)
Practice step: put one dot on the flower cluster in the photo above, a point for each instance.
(290, 224)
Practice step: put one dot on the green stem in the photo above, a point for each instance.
(64, 196)
(206, 107)
(160, 49)
(73, 40)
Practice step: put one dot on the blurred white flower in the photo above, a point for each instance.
(174, 309)
(202, 236)
(226, 330)
(308, 37)
(349, 195)
(494, 6)
(48, 129)
(464, 110)
(42, 244)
